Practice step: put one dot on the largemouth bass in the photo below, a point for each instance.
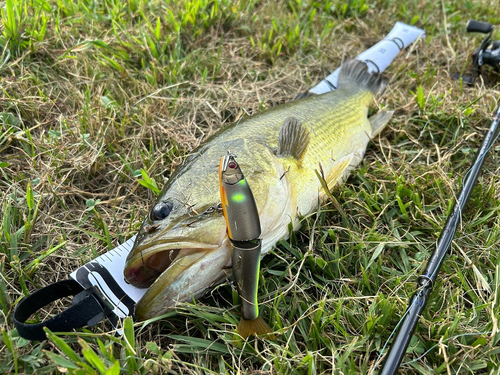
(182, 248)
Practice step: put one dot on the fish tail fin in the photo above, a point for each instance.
(355, 72)
(255, 327)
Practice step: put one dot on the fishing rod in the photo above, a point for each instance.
(426, 281)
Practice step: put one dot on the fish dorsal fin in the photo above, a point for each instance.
(293, 139)
(355, 72)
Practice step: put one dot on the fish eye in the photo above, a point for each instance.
(161, 210)
(232, 165)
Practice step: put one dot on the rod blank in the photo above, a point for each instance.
(426, 281)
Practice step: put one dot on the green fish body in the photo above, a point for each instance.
(183, 248)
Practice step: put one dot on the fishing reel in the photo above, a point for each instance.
(483, 55)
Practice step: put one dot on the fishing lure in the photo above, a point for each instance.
(243, 228)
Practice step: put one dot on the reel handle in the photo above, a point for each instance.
(480, 27)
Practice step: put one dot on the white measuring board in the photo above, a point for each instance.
(378, 57)
(106, 273)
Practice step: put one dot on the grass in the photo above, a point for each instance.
(100, 101)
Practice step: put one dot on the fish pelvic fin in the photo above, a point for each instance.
(293, 139)
(257, 327)
(379, 121)
(355, 73)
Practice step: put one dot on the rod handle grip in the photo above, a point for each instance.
(478, 26)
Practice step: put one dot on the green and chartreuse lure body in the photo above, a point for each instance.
(243, 228)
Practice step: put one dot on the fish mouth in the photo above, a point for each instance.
(147, 263)
(186, 276)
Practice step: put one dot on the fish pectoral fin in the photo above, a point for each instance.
(337, 172)
(293, 139)
(379, 121)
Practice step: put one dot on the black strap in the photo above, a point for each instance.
(88, 308)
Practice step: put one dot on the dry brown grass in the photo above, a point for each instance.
(79, 128)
